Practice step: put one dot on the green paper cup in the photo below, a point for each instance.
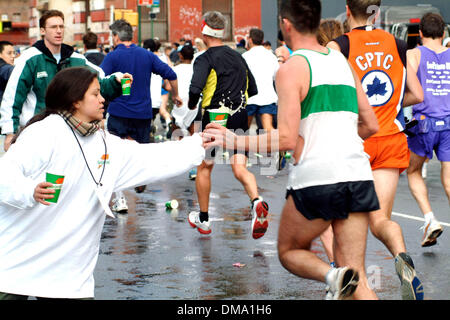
(57, 181)
(218, 117)
(126, 86)
(172, 204)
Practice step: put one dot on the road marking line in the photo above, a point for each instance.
(416, 218)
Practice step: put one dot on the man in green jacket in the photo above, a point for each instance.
(24, 95)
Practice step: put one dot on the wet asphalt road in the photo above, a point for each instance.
(152, 253)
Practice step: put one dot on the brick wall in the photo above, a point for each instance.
(185, 18)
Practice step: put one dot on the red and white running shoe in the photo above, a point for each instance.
(260, 210)
(202, 227)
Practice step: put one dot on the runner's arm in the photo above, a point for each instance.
(198, 81)
(174, 90)
(292, 84)
(414, 91)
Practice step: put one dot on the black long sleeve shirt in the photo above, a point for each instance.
(222, 77)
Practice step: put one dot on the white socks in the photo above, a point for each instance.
(329, 277)
(428, 217)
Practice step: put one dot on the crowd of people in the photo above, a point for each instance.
(65, 113)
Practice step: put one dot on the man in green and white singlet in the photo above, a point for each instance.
(323, 116)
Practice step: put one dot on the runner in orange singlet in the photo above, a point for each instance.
(379, 59)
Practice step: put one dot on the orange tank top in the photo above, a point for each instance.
(374, 56)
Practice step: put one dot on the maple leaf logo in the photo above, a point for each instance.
(377, 87)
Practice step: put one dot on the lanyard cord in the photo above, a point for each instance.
(104, 160)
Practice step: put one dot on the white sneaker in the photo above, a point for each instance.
(202, 227)
(260, 210)
(342, 283)
(432, 230)
(120, 205)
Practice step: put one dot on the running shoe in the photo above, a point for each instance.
(411, 286)
(202, 227)
(140, 189)
(260, 210)
(432, 230)
(120, 205)
(193, 174)
(341, 283)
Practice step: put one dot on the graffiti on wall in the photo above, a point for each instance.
(189, 22)
(190, 16)
(190, 19)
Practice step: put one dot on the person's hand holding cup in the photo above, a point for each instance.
(125, 79)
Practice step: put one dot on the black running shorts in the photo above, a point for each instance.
(335, 201)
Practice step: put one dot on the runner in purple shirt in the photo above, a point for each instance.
(432, 64)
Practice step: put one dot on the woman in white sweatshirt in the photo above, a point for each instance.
(50, 249)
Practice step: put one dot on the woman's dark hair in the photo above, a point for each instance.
(67, 87)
